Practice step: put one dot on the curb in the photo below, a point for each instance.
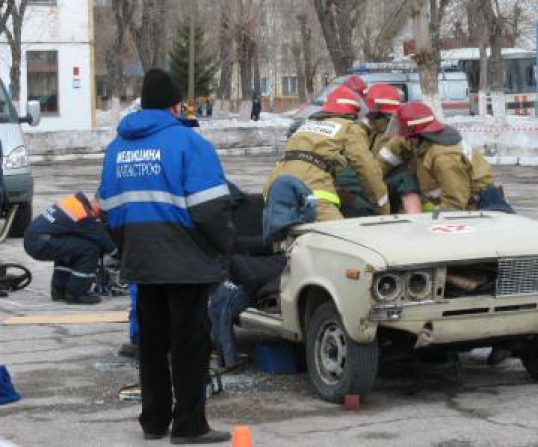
(235, 152)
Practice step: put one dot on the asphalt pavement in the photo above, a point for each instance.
(69, 375)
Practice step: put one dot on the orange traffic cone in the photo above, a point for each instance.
(242, 437)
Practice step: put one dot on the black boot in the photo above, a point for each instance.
(57, 294)
(89, 297)
(211, 437)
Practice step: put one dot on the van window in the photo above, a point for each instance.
(414, 92)
(7, 112)
(453, 89)
(403, 89)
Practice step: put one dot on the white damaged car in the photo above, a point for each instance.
(452, 279)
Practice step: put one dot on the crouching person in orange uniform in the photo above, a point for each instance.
(70, 234)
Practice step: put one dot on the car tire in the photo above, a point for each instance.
(529, 358)
(337, 365)
(21, 221)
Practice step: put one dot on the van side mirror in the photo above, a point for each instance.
(33, 114)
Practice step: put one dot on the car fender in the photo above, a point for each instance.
(326, 262)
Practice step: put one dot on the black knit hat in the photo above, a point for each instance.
(159, 91)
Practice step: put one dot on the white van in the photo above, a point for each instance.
(16, 183)
(453, 89)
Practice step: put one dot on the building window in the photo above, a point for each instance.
(43, 2)
(42, 73)
(266, 90)
(289, 86)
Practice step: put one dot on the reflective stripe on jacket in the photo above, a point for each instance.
(167, 201)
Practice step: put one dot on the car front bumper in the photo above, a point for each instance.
(467, 319)
(19, 188)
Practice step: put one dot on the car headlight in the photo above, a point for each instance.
(18, 158)
(388, 287)
(419, 285)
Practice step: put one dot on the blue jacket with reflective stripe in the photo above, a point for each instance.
(166, 199)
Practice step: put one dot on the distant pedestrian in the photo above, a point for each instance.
(168, 207)
(208, 108)
(199, 108)
(256, 107)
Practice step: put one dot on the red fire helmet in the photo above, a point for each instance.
(343, 101)
(416, 118)
(383, 98)
(357, 84)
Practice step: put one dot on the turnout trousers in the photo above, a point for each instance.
(174, 357)
(75, 260)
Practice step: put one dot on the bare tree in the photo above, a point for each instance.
(246, 21)
(224, 91)
(299, 67)
(13, 32)
(123, 11)
(242, 18)
(309, 64)
(150, 33)
(338, 19)
(427, 16)
(495, 27)
(479, 36)
(376, 29)
(5, 13)
(256, 79)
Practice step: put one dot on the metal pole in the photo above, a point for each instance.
(191, 50)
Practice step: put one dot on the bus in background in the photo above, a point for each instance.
(519, 77)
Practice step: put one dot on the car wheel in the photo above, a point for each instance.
(337, 365)
(22, 220)
(529, 358)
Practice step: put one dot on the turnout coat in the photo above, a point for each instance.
(340, 142)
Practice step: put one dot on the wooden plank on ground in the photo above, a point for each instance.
(89, 318)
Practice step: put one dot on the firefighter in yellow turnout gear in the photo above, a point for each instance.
(382, 102)
(451, 175)
(323, 146)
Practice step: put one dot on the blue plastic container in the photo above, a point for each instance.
(275, 358)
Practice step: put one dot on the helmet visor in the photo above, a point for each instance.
(395, 128)
(363, 109)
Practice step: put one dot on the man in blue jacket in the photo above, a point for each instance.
(168, 209)
(70, 234)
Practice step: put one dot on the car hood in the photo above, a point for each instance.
(10, 136)
(305, 112)
(453, 236)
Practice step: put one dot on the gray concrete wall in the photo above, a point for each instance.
(48, 146)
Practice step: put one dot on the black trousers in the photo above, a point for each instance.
(75, 260)
(174, 357)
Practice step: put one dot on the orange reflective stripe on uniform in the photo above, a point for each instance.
(73, 208)
(327, 196)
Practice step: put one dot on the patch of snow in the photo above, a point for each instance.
(105, 119)
(266, 120)
(501, 139)
(474, 53)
